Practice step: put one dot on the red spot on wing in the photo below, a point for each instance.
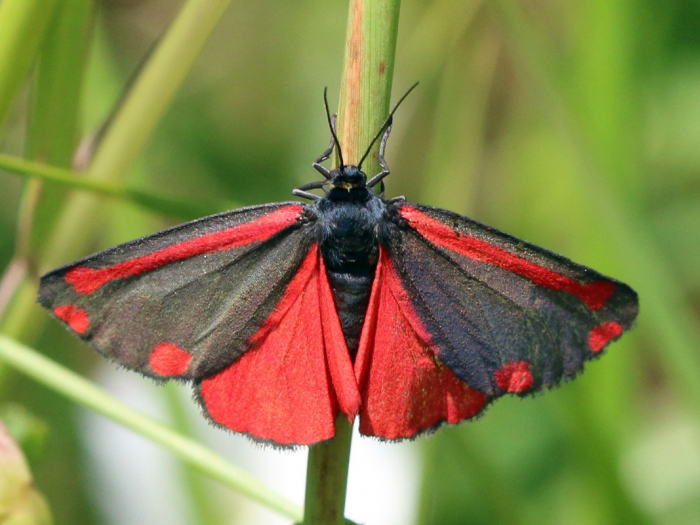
(405, 388)
(75, 316)
(514, 377)
(86, 280)
(602, 334)
(594, 295)
(168, 359)
(284, 388)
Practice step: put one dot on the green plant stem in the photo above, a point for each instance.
(29, 29)
(82, 391)
(53, 125)
(365, 93)
(54, 115)
(55, 111)
(365, 97)
(141, 111)
(327, 477)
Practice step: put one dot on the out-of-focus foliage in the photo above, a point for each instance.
(29, 431)
(574, 125)
(20, 503)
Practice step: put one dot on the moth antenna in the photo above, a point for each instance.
(386, 123)
(330, 125)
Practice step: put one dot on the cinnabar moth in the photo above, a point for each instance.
(283, 315)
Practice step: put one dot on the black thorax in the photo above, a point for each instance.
(349, 225)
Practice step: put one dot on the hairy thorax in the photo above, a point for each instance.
(349, 228)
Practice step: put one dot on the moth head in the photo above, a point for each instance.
(348, 177)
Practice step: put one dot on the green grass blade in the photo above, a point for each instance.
(156, 87)
(139, 114)
(202, 500)
(84, 392)
(54, 119)
(181, 208)
(130, 129)
(22, 27)
(55, 110)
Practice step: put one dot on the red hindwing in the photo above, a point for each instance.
(288, 387)
(405, 387)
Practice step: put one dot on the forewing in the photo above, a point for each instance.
(182, 302)
(502, 314)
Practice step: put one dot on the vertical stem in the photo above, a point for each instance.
(365, 97)
(327, 477)
(368, 72)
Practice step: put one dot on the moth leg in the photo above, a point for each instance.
(305, 194)
(301, 190)
(382, 162)
(313, 185)
(326, 154)
(397, 200)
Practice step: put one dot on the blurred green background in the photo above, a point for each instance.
(574, 125)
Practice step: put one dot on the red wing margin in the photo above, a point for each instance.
(289, 386)
(405, 388)
(503, 315)
(182, 302)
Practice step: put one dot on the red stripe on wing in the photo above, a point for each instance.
(284, 388)
(404, 386)
(594, 294)
(86, 280)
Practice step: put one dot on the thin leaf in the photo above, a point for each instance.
(22, 27)
(67, 383)
(181, 208)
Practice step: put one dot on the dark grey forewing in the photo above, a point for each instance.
(483, 317)
(208, 305)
